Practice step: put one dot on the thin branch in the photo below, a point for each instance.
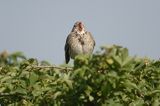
(6, 94)
(54, 67)
(10, 94)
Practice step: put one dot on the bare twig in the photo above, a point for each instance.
(6, 94)
(10, 94)
(54, 67)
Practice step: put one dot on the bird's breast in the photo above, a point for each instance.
(75, 48)
(80, 45)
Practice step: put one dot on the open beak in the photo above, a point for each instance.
(80, 26)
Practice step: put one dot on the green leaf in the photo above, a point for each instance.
(118, 60)
(33, 78)
(156, 102)
(88, 90)
(130, 85)
(2, 89)
(20, 91)
(91, 98)
(139, 102)
(124, 54)
(58, 93)
(67, 80)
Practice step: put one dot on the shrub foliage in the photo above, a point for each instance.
(110, 77)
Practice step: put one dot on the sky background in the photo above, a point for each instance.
(39, 28)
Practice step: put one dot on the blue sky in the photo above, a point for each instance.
(39, 27)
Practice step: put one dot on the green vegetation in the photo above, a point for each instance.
(110, 77)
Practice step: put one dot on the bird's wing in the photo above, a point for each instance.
(66, 48)
(92, 39)
(67, 56)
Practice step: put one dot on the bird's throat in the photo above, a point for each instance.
(81, 32)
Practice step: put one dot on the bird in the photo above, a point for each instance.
(79, 41)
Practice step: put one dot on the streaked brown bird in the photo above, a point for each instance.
(79, 41)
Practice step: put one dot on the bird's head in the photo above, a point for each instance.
(78, 28)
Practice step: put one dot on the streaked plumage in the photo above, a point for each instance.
(79, 41)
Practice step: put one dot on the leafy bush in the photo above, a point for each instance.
(110, 77)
